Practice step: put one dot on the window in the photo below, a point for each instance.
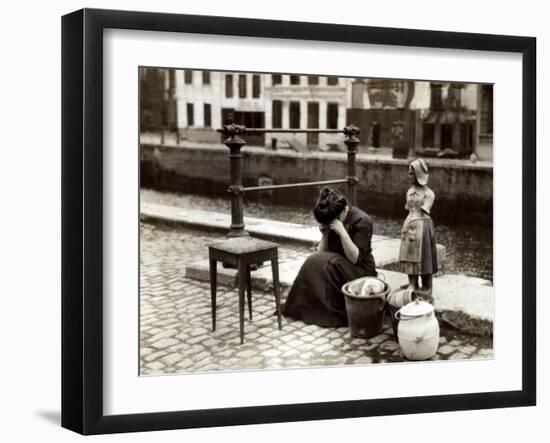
(190, 114)
(277, 114)
(172, 81)
(466, 137)
(428, 135)
(332, 116)
(294, 79)
(312, 123)
(486, 111)
(242, 86)
(256, 86)
(205, 77)
(446, 136)
(375, 134)
(455, 95)
(313, 115)
(313, 80)
(332, 81)
(228, 116)
(276, 79)
(188, 77)
(294, 122)
(229, 86)
(207, 115)
(436, 100)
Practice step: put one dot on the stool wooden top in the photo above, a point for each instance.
(242, 245)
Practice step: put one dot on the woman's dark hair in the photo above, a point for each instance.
(330, 204)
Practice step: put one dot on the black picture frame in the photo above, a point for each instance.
(82, 220)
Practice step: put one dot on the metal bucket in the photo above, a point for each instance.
(365, 313)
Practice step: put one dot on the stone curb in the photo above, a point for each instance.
(385, 249)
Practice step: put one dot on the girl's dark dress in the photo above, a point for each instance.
(316, 296)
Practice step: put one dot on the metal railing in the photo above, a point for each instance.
(234, 141)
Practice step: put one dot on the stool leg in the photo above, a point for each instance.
(275, 270)
(213, 277)
(242, 277)
(249, 291)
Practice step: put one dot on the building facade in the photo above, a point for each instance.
(208, 100)
(157, 97)
(437, 118)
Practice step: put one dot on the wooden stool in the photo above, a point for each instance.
(241, 253)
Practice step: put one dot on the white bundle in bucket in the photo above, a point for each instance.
(367, 287)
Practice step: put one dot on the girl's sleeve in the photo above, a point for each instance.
(361, 237)
(407, 200)
(428, 201)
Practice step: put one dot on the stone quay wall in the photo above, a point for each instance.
(464, 190)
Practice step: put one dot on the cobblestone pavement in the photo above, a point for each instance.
(175, 320)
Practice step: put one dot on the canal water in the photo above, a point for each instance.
(469, 246)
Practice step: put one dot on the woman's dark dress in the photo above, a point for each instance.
(316, 296)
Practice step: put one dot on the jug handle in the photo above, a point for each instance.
(398, 316)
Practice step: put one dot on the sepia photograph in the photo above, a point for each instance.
(293, 220)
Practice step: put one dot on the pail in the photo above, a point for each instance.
(365, 313)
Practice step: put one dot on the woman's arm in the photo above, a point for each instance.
(323, 244)
(350, 249)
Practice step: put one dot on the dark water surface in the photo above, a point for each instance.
(469, 246)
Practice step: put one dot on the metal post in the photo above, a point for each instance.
(234, 142)
(352, 141)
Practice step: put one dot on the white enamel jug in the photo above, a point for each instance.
(418, 330)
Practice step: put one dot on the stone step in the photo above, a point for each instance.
(385, 249)
(466, 303)
(261, 278)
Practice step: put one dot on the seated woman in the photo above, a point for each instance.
(344, 254)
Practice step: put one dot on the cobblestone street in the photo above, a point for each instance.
(175, 320)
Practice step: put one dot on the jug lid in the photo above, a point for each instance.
(417, 308)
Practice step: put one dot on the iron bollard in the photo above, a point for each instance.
(352, 141)
(234, 142)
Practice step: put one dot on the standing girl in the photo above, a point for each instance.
(418, 254)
